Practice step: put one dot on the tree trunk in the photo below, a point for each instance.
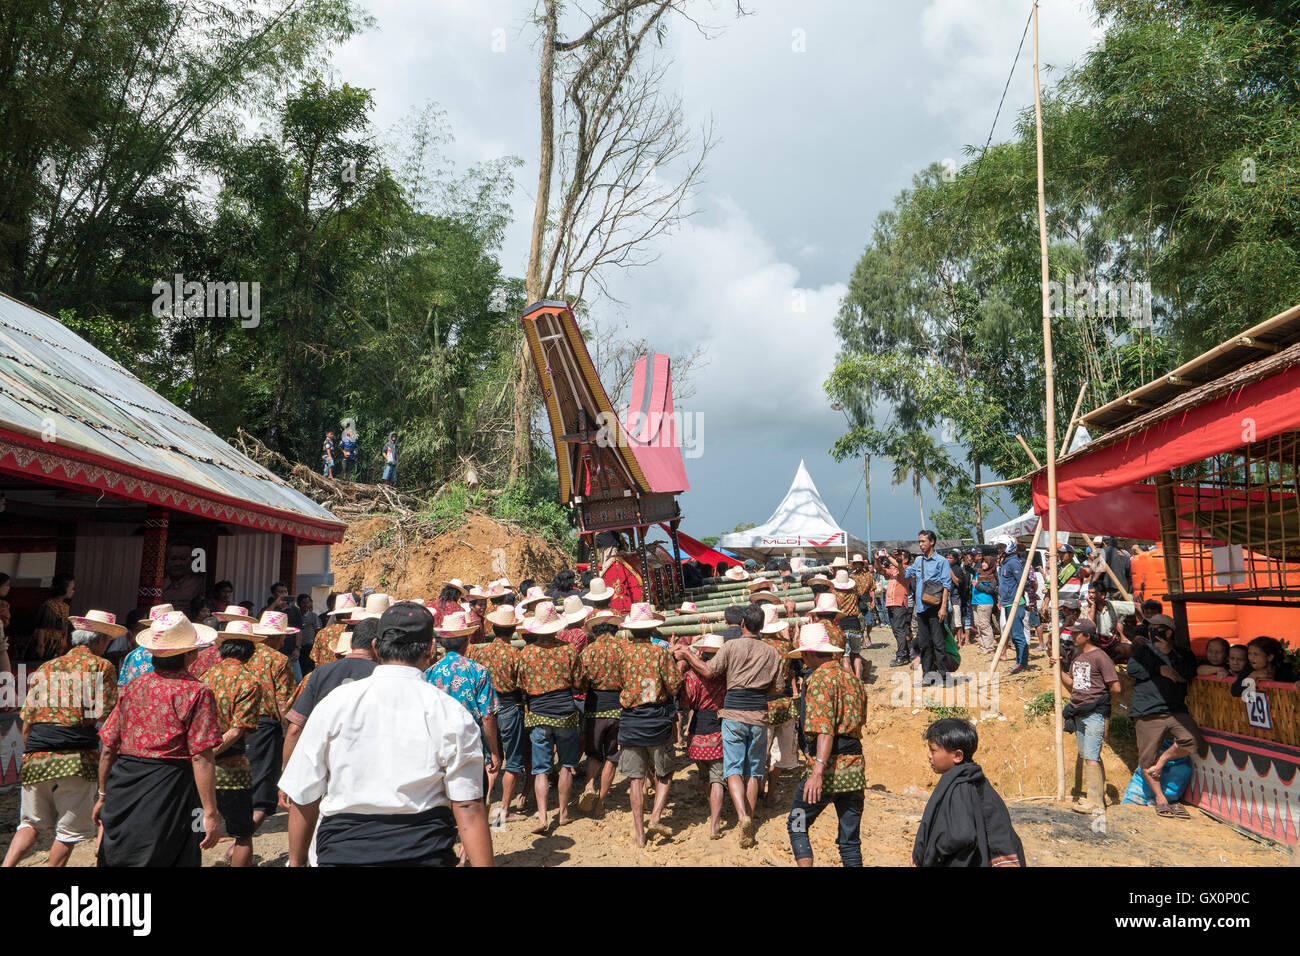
(521, 415)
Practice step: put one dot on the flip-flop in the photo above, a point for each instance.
(1180, 812)
(1167, 811)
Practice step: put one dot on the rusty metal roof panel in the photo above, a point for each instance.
(56, 387)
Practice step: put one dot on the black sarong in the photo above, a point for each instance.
(599, 701)
(151, 814)
(648, 725)
(388, 839)
(704, 722)
(265, 752)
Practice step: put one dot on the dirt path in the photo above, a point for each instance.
(1015, 750)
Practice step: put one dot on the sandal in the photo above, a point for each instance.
(1167, 810)
(1180, 812)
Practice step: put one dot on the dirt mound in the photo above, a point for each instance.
(384, 554)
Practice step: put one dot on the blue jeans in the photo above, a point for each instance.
(545, 739)
(744, 749)
(848, 807)
(1018, 634)
(510, 733)
(1088, 735)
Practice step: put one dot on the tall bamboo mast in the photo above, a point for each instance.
(1049, 376)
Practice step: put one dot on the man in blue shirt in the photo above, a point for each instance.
(931, 639)
(1010, 568)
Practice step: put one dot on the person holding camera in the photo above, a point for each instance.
(900, 615)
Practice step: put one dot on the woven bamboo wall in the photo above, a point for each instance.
(1212, 705)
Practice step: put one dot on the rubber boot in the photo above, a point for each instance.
(1095, 802)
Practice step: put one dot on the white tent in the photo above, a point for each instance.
(799, 525)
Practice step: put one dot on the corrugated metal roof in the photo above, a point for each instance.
(49, 375)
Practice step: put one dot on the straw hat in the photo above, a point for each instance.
(764, 597)
(476, 593)
(575, 612)
(376, 605)
(458, 584)
(456, 624)
(839, 562)
(241, 631)
(709, 642)
(235, 612)
(773, 623)
(598, 590)
(535, 593)
(497, 589)
(641, 618)
(825, 604)
(796, 565)
(736, 574)
(156, 613)
(547, 620)
(101, 622)
(275, 624)
(843, 582)
(688, 607)
(506, 615)
(813, 637)
(858, 559)
(173, 634)
(342, 644)
(759, 584)
(818, 578)
(345, 603)
(602, 616)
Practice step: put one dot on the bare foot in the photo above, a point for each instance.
(658, 829)
(541, 826)
(747, 832)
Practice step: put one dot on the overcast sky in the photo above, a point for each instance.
(813, 144)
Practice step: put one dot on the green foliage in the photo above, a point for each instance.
(1042, 705)
(536, 507)
(941, 712)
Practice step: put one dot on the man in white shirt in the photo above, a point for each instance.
(392, 766)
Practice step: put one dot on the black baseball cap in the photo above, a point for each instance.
(413, 621)
(1084, 626)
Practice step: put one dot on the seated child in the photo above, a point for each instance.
(965, 822)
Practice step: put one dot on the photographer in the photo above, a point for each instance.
(900, 615)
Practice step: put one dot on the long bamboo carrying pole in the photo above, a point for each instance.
(1020, 590)
(1050, 398)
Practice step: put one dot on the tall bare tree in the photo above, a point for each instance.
(616, 139)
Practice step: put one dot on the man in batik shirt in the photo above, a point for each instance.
(501, 659)
(468, 683)
(650, 682)
(704, 697)
(265, 745)
(781, 710)
(601, 673)
(548, 676)
(239, 700)
(67, 697)
(834, 710)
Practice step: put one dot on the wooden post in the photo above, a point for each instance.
(1020, 590)
(153, 558)
(1171, 552)
(1049, 376)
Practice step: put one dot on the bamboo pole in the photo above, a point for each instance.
(1020, 590)
(1028, 451)
(1074, 418)
(1049, 376)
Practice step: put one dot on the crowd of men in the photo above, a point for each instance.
(387, 730)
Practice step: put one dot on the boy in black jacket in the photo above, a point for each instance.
(965, 822)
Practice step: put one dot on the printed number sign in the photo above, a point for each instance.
(1257, 712)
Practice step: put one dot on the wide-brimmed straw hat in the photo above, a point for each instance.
(813, 638)
(688, 607)
(345, 603)
(819, 578)
(709, 642)
(764, 597)
(598, 590)
(532, 596)
(156, 613)
(235, 612)
(342, 644)
(575, 612)
(476, 593)
(858, 559)
(101, 622)
(839, 562)
(456, 583)
(547, 620)
(173, 634)
(825, 604)
(376, 605)
(241, 631)
(642, 618)
(457, 624)
(736, 574)
(506, 615)
(843, 582)
(773, 623)
(602, 615)
(499, 589)
(275, 624)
